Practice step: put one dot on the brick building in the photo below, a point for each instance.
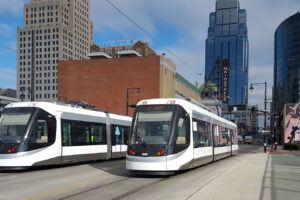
(103, 81)
(142, 48)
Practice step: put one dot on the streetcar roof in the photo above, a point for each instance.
(56, 108)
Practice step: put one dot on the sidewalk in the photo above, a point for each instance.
(282, 176)
(258, 176)
(280, 150)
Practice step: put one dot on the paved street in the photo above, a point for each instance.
(250, 175)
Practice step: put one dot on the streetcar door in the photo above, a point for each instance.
(212, 141)
(116, 141)
(67, 153)
(123, 138)
(231, 141)
(215, 141)
(109, 137)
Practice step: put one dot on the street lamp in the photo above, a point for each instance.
(138, 91)
(265, 110)
(22, 96)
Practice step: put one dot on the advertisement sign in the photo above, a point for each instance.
(292, 123)
(225, 80)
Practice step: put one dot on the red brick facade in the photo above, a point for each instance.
(104, 82)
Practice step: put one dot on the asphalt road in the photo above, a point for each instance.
(110, 180)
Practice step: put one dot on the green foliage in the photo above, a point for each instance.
(208, 90)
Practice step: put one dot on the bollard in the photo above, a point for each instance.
(265, 147)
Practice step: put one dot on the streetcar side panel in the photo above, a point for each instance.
(83, 137)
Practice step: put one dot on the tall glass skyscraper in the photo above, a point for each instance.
(227, 52)
(287, 63)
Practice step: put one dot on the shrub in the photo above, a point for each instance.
(291, 146)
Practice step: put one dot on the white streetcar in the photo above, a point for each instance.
(39, 134)
(168, 135)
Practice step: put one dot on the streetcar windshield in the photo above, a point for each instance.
(13, 122)
(152, 125)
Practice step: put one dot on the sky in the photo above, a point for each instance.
(178, 28)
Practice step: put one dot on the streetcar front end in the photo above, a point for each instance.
(160, 139)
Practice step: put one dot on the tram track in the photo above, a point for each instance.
(133, 191)
(138, 189)
(112, 183)
(94, 188)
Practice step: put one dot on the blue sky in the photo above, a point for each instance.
(180, 25)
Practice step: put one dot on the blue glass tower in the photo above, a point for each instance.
(227, 52)
(287, 63)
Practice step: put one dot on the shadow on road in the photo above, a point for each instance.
(118, 167)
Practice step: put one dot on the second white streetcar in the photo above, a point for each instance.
(168, 135)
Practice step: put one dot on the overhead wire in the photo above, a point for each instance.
(7, 48)
(150, 35)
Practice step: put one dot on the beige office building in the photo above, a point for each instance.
(53, 30)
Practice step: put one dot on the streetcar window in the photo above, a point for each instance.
(201, 133)
(43, 132)
(81, 134)
(152, 125)
(13, 122)
(15, 119)
(216, 135)
(66, 134)
(77, 133)
(98, 132)
(182, 132)
(223, 139)
(40, 132)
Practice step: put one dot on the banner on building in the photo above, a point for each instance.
(225, 80)
(292, 123)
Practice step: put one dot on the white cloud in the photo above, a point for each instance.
(191, 17)
(106, 18)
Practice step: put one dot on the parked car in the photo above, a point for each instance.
(240, 138)
(248, 139)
